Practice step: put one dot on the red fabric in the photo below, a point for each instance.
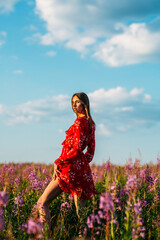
(74, 173)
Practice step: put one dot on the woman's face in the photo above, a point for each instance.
(77, 106)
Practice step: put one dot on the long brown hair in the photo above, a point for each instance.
(85, 101)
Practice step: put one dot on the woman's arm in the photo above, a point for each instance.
(90, 149)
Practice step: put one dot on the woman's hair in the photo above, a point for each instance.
(85, 101)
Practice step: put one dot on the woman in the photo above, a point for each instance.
(72, 173)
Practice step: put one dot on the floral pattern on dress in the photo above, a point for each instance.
(73, 170)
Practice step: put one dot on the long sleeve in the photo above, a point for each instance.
(90, 149)
(77, 142)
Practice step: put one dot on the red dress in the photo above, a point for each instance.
(73, 170)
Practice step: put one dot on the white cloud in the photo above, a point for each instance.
(100, 28)
(147, 98)
(136, 91)
(18, 72)
(102, 130)
(136, 44)
(113, 96)
(127, 108)
(72, 23)
(7, 5)
(51, 54)
(120, 107)
(47, 109)
(115, 109)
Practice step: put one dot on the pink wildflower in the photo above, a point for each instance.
(71, 197)
(64, 206)
(91, 219)
(3, 198)
(95, 177)
(33, 227)
(107, 166)
(132, 182)
(106, 202)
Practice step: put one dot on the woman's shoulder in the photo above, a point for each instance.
(84, 122)
(81, 122)
(81, 119)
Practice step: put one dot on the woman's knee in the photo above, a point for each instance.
(42, 201)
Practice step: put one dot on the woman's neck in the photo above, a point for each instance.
(81, 115)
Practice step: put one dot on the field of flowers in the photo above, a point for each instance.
(127, 205)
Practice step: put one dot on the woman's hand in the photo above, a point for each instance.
(55, 172)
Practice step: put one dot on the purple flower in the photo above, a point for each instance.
(89, 222)
(36, 183)
(11, 170)
(92, 219)
(18, 200)
(85, 231)
(158, 160)
(129, 164)
(137, 207)
(24, 191)
(149, 180)
(134, 235)
(113, 186)
(106, 202)
(46, 181)
(142, 173)
(3, 198)
(18, 203)
(71, 197)
(33, 227)
(64, 206)
(101, 214)
(95, 177)
(107, 166)
(132, 182)
(18, 180)
(122, 192)
(142, 234)
(32, 175)
(44, 171)
(137, 222)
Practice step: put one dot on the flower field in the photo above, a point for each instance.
(127, 205)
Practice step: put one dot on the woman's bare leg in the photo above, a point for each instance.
(76, 204)
(49, 194)
(82, 204)
(82, 211)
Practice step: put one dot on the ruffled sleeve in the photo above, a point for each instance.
(78, 141)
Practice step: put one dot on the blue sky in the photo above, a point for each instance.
(51, 49)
